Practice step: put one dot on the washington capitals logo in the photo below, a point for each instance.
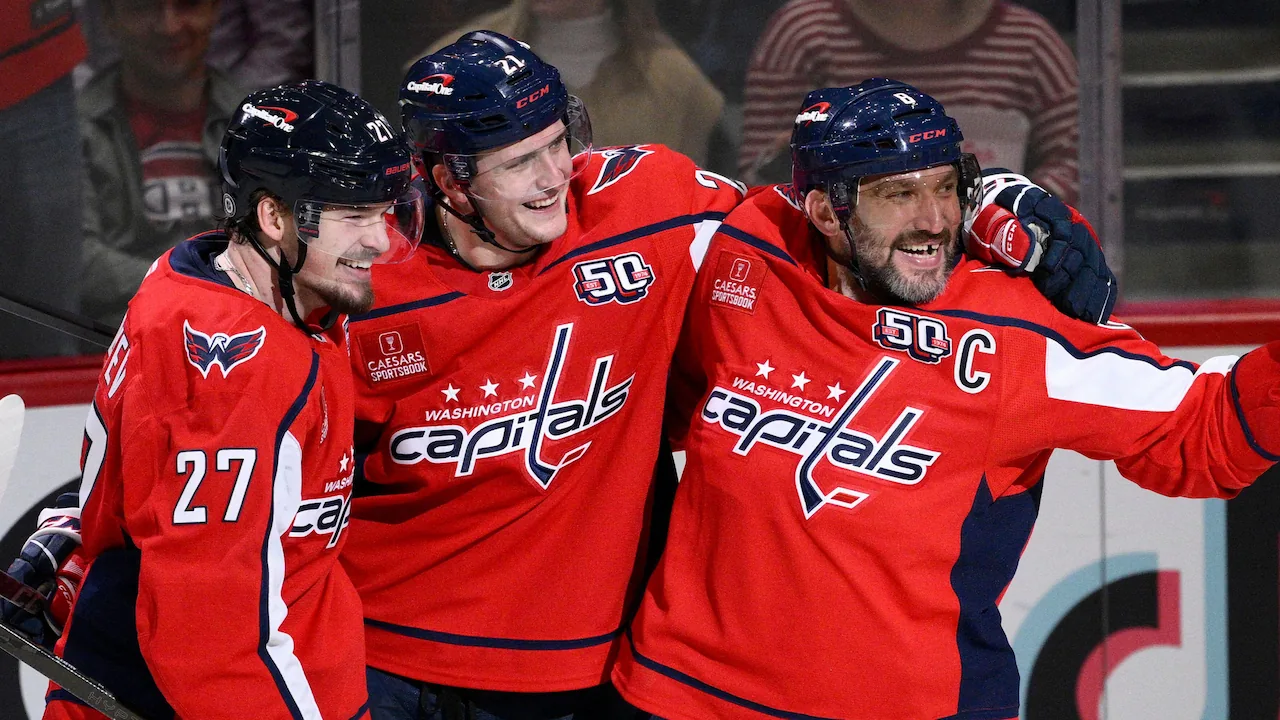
(819, 442)
(545, 418)
(791, 195)
(225, 351)
(618, 162)
(816, 112)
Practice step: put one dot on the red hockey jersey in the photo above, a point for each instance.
(217, 479)
(520, 415)
(861, 480)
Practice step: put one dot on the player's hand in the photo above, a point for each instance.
(50, 562)
(1019, 225)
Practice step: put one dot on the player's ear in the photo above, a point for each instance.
(271, 219)
(445, 181)
(817, 206)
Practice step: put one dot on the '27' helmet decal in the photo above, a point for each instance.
(618, 162)
(225, 351)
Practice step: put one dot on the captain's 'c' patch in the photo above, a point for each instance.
(393, 353)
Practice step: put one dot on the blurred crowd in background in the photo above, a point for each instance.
(111, 112)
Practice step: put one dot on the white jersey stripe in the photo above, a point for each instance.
(287, 497)
(1115, 381)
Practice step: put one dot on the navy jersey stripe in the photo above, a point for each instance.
(640, 232)
(1244, 424)
(362, 712)
(408, 307)
(992, 538)
(492, 642)
(1059, 338)
(264, 617)
(755, 242)
(712, 690)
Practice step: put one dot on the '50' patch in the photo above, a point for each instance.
(622, 278)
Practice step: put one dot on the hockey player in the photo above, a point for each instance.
(510, 389)
(217, 457)
(868, 416)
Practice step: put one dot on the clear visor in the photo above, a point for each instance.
(378, 233)
(919, 199)
(533, 169)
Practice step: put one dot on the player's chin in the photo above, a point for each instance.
(544, 229)
(349, 298)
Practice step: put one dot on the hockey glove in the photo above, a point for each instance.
(1020, 225)
(52, 564)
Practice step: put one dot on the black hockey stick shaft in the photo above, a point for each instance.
(46, 663)
(64, 674)
(25, 597)
(56, 318)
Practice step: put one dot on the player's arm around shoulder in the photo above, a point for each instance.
(1173, 426)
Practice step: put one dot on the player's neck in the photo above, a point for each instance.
(251, 274)
(842, 280)
(921, 25)
(477, 253)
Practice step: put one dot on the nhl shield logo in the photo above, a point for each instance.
(499, 281)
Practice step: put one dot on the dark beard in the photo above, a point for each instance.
(885, 283)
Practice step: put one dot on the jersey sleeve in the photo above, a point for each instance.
(211, 471)
(1171, 426)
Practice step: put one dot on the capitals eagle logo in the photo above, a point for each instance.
(225, 351)
(618, 162)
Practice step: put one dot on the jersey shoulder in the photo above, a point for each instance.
(995, 297)
(772, 222)
(199, 335)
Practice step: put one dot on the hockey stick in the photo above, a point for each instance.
(27, 598)
(64, 674)
(11, 413)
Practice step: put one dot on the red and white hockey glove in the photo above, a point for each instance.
(50, 562)
(1021, 226)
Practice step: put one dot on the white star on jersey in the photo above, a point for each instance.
(451, 393)
(764, 369)
(527, 381)
(835, 391)
(490, 388)
(342, 466)
(799, 381)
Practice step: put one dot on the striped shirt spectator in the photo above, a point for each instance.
(1011, 84)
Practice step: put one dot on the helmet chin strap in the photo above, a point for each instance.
(844, 207)
(478, 226)
(285, 272)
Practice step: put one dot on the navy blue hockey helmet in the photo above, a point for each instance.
(317, 147)
(311, 141)
(483, 92)
(877, 127)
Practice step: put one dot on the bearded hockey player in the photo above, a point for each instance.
(510, 384)
(868, 416)
(217, 456)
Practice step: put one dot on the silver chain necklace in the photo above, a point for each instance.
(223, 262)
